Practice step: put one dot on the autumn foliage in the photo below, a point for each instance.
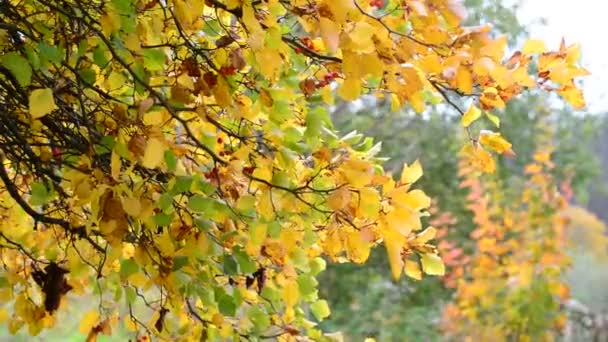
(514, 284)
(178, 155)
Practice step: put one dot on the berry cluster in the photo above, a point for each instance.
(377, 3)
(327, 79)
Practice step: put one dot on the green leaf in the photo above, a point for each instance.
(154, 59)
(50, 53)
(200, 203)
(259, 318)
(128, 267)
(19, 67)
(432, 264)
(33, 57)
(182, 184)
(179, 262)
(162, 219)
(123, 6)
(226, 305)
(203, 224)
(320, 309)
(274, 229)
(307, 284)
(39, 194)
(246, 265)
(4, 282)
(170, 160)
(88, 75)
(99, 56)
(142, 76)
(165, 201)
(230, 265)
(130, 295)
(281, 111)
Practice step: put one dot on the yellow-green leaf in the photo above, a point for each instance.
(41, 102)
(470, 116)
(432, 264)
(320, 309)
(495, 120)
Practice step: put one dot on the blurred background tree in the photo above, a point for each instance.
(364, 300)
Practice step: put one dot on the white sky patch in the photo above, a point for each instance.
(578, 21)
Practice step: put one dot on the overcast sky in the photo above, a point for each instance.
(582, 21)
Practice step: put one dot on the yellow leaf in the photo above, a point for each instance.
(369, 203)
(416, 100)
(479, 158)
(155, 118)
(88, 321)
(432, 264)
(291, 294)
(132, 206)
(393, 246)
(350, 89)
(130, 323)
(110, 23)
(330, 31)
(431, 64)
(533, 46)
(360, 38)
(470, 116)
(339, 199)
(3, 315)
(412, 269)
(414, 200)
(494, 141)
(357, 249)
(138, 279)
(464, 80)
(411, 174)
(115, 165)
(403, 220)
(357, 172)
(154, 153)
(395, 104)
(41, 102)
(573, 95)
(533, 168)
(426, 235)
(221, 92)
(115, 81)
(542, 157)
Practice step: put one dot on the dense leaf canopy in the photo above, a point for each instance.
(179, 154)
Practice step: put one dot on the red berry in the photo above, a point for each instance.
(227, 70)
(56, 152)
(307, 42)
